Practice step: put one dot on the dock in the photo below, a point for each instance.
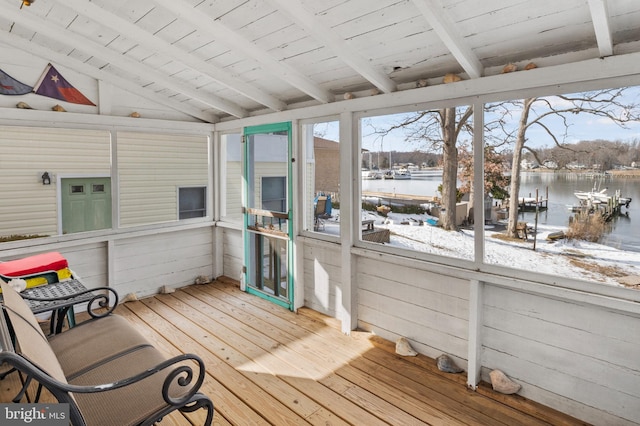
(531, 203)
(528, 204)
(392, 197)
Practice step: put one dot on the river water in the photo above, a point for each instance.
(624, 233)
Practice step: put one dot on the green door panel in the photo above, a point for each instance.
(86, 204)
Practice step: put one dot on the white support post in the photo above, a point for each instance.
(298, 155)
(217, 192)
(478, 181)
(111, 268)
(105, 97)
(115, 180)
(349, 156)
(476, 289)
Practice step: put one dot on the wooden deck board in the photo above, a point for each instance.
(266, 365)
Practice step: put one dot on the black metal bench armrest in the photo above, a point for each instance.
(182, 375)
(98, 301)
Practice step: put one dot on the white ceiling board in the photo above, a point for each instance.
(261, 11)
(442, 25)
(252, 56)
(333, 42)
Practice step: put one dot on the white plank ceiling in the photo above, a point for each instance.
(216, 59)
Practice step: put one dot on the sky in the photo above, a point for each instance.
(582, 126)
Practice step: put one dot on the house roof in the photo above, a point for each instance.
(216, 60)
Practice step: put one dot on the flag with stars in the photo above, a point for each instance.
(11, 86)
(53, 85)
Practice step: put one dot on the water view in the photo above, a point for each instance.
(624, 234)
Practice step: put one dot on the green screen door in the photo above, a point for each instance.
(267, 213)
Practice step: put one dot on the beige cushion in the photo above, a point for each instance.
(107, 338)
(129, 405)
(33, 344)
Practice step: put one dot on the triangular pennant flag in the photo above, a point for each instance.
(11, 86)
(53, 85)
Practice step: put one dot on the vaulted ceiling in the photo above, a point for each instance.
(218, 59)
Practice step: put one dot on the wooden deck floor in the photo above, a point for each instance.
(267, 365)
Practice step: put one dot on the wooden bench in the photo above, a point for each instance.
(106, 371)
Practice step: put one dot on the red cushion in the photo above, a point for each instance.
(33, 264)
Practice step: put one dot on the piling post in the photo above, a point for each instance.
(535, 226)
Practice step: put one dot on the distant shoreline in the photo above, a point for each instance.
(634, 173)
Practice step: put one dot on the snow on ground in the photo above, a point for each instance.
(561, 258)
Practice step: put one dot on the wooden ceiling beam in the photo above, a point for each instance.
(600, 18)
(302, 17)
(433, 12)
(131, 31)
(66, 37)
(234, 40)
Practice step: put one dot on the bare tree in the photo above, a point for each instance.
(608, 104)
(434, 130)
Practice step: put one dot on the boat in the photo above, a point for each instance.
(370, 175)
(595, 197)
(401, 174)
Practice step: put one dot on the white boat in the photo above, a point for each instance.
(594, 197)
(401, 174)
(370, 175)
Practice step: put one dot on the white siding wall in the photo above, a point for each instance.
(152, 167)
(562, 347)
(322, 276)
(233, 253)
(431, 310)
(233, 194)
(89, 262)
(143, 265)
(139, 262)
(28, 206)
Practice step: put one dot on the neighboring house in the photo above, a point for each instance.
(527, 164)
(327, 165)
(576, 166)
